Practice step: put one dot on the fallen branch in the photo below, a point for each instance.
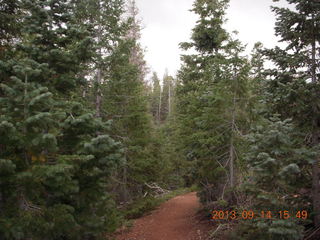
(158, 190)
(215, 231)
(27, 206)
(312, 233)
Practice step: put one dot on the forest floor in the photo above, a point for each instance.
(176, 219)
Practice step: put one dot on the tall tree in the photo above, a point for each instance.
(277, 160)
(134, 32)
(294, 84)
(103, 19)
(156, 98)
(9, 13)
(126, 103)
(212, 102)
(54, 168)
(167, 94)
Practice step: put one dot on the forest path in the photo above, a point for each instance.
(175, 219)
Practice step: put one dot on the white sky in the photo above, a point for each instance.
(166, 23)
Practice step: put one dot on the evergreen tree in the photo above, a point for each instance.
(103, 19)
(53, 167)
(212, 103)
(126, 102)
(294, 83)
(277, 160)
(137, 53)
(156, 98)
(257, 82)
(9, 26)
(167, 97)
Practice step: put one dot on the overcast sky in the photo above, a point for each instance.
(166, 23)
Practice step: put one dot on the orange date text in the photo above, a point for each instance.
(250, 214)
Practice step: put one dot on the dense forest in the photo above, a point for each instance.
(88, 141)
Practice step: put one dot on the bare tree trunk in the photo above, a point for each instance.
(25, 113)
(99, 77)
(316, 192)
(313, 66)
(125, 182)
(159, 110)
(1, 203)
(169, 103)
(231, 167)
(231, 149)
(98, 94)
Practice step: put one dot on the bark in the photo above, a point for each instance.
(169, 111)
(159, 110)
(313, 66)
(231, 149)
(233, 129)
(316, 174)
(316, 192)
(232, 177)
(98, 99)
(25, 114)
(125, 183)
(1, 202)
(98, 94)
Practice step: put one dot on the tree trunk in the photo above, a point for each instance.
(25, 114)
(98, 94)
(316, 192)
(231, 149)
(169, 103)
(98, 99)
(1, 202)
(314, 65)
(159, 110)
(125, 182)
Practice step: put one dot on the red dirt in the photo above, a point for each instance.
(174, 220)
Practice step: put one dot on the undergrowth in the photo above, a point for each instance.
(145, 205)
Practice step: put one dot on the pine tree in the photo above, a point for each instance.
(53, 167)
(137, 53)
(257, 85)
(156, 98)
(194, 78)
(212, 96)
(9, 25)
(294, 83)
(277, 160)
(103, 19)
(167, 94)
(125, 100)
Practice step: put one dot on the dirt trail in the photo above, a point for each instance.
(174, 220)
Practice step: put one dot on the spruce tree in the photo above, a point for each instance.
(9, 24)
(277, 160)
(54, 167)
(103, 18)
(294, 83)
(166, 99)
(125, 101)
(156, 98)
(212, 103)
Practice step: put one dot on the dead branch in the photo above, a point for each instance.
(27, 206)
(157, 189)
